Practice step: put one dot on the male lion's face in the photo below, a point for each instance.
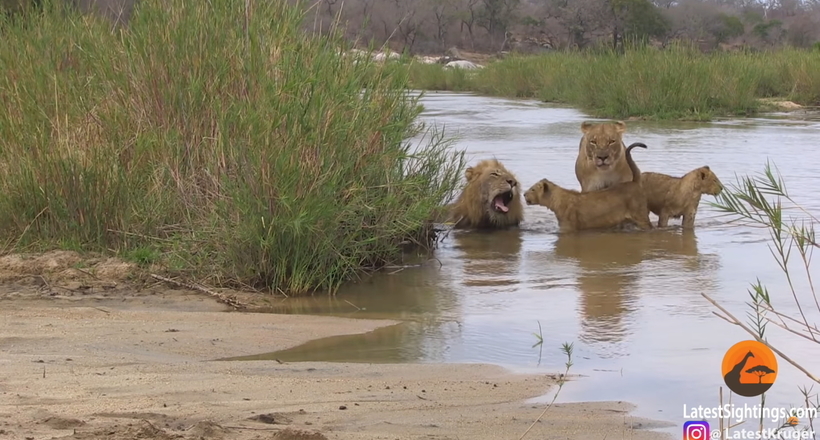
(498, 187)
(603, 143)
(709, 182)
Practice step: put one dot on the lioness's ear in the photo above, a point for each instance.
(620, 127)
(585, 126)
(469, 173)
(706, 166)
(703, 175)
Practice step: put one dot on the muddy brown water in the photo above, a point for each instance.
(629, 301)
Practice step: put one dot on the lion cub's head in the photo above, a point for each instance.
(603, 143)
(542, 193)
(491, 197)
(708, 182)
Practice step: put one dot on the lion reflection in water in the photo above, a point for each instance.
(490, 259)
(608, 272)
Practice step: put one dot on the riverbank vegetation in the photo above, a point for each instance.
(678, 82)
(696, 58)
(217, 141)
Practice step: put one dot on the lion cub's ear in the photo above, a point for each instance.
(620, 126)
(585, 126)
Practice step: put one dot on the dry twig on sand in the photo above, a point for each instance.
(225, 299)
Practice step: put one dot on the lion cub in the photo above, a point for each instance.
(677, 197)
(601, 162)
(601, 209)
(491, 199)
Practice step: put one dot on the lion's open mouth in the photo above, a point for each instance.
(501, 201)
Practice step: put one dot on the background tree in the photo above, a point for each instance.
(432, 26)
(444, 15)
(581, 20)
(769, 32)
(803, 30)
(637, 20)
(726, 27)
(496, 17)
(408, 25)
(424, 26)
(469, 16)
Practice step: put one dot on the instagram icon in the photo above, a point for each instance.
(696, 430)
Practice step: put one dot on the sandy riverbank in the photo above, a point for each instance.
(100, 359)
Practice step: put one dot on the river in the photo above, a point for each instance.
(629, 302)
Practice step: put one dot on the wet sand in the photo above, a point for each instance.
(108, 360)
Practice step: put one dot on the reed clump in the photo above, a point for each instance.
(219, 141)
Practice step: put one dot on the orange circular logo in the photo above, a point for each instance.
(749, 368)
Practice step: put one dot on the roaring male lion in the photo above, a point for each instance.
(601, 162)
(599, 209)
(491, 199)
(677, 197)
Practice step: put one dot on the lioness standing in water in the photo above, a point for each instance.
(601, 161)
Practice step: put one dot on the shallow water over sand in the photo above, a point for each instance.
(631, 302)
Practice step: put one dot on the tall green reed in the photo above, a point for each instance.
(219, 133)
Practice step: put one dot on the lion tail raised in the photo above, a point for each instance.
(636, 172)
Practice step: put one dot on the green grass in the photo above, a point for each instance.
(679, 82)
(223, 143)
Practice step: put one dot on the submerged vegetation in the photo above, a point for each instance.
(215, 139)
(678, 82)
